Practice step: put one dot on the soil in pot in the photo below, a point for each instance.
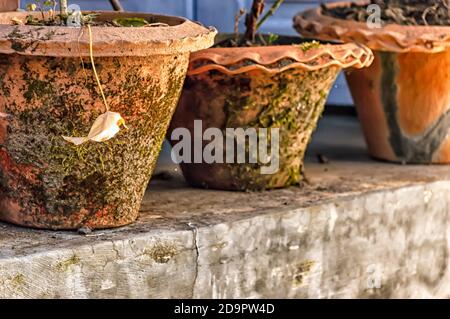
(403, 99)
(275, 88)
(48, 90)
(402, 12)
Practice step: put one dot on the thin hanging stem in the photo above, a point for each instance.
(81, 57)
(91, 53)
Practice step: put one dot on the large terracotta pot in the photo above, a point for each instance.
(274, 87)
(403, 99)
(8, 5)
(48, 90)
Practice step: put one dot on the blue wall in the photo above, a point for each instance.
(220, 13)
(174, 7)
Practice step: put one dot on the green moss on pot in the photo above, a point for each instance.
(292, 101)
(46, 181)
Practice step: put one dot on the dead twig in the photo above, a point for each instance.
(252, 18)
(117, 6)
(237, 19)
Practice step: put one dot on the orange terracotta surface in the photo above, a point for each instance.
(226, 60)
(8, 5)
(283, 87)
(403, 99)
(443, 154)
(365, 89)
(48, 90)
(181, 36)
(423, 84)
(98, 185)
(391, 37)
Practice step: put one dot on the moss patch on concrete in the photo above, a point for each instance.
(302, 271)
(65, 265)
(162, 252)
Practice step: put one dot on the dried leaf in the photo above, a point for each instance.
(105, 127)
(157, 24)
(17, 21)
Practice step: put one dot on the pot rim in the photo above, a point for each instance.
(181, 36)
(391, 37)
(227, 60)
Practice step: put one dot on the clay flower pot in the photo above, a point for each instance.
(403, 99)
(9, 5)
(270, 87)
(47, 90)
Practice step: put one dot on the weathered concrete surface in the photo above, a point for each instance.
(356, 224)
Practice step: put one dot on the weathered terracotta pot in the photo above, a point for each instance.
(283, 87)
(403, 99)
(9, 5)
(48, 90)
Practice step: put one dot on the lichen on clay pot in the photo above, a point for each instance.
(49, 94)
(258, 82)
(403, 99)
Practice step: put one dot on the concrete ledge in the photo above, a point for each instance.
(360, 228)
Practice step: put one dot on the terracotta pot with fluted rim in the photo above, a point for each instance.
(48, 90)
(273, 87)
(403, 99)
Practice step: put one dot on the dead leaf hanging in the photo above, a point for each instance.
(105, 127)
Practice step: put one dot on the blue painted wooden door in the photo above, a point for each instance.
(220, 13)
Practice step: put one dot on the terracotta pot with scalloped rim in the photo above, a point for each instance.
(277, 91)
(48, 90)
(403, 99)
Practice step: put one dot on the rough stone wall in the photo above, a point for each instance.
(396, 237)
